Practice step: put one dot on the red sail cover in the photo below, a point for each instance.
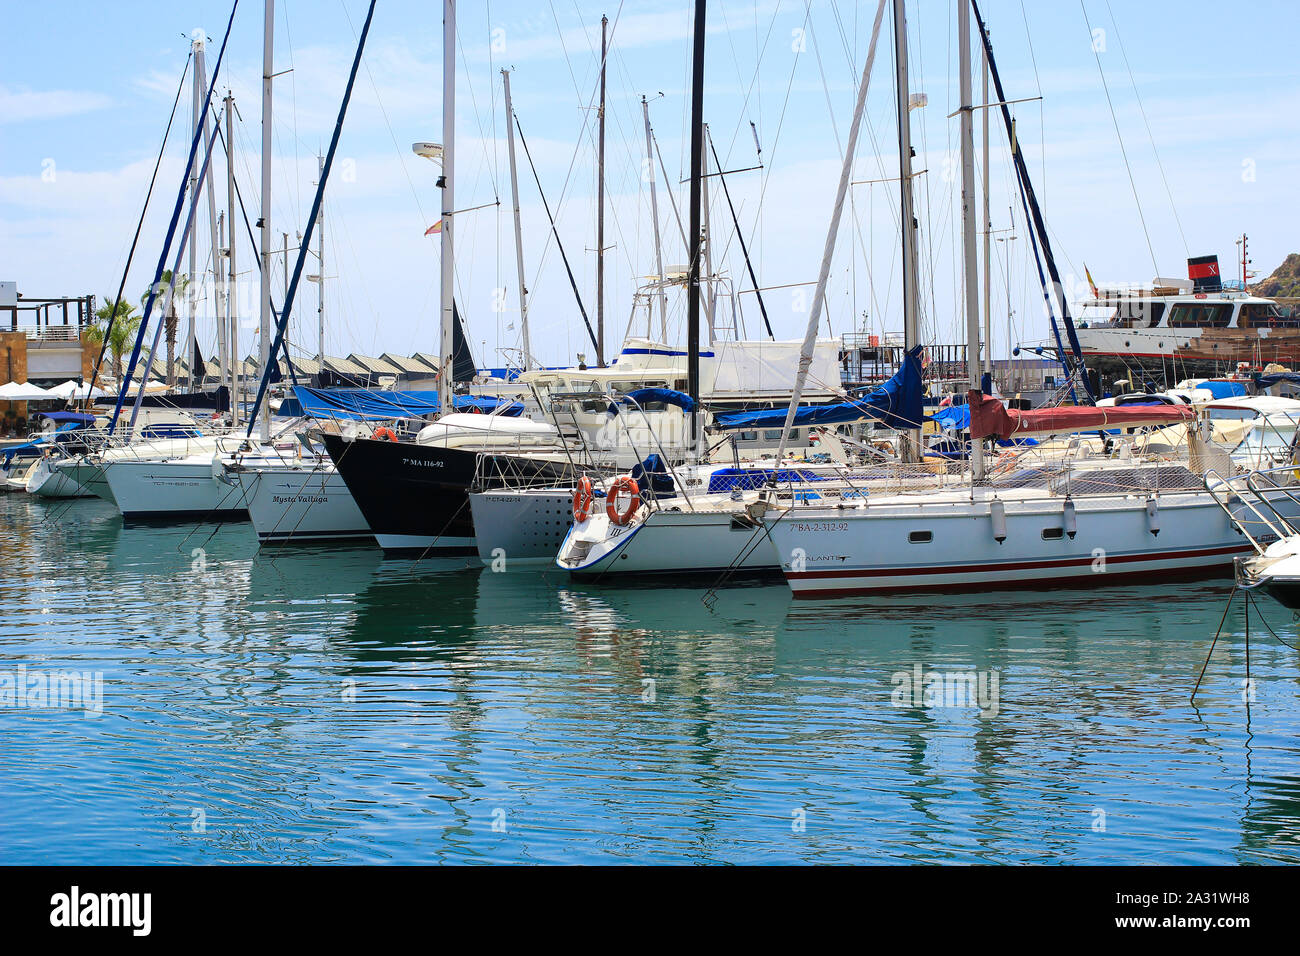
(989, 418)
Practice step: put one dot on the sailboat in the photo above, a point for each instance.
(188, 483)
(1066, 522)
(415, 495)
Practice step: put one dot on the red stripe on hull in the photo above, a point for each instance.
(1022, 565)
(1199, 572)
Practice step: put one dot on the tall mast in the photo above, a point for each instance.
(970, 262)
(191, 289)
(445, 358)
(911, 274)
(693, 236)
(519, 234)
(223, 299)
(600, 205)
(320, 284)
(264, 220)
(706, 246)
(654, 216)
(988, 221)
(218, 284)
(231, 286)
(828, 250)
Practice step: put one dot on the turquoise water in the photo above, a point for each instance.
(327, 705)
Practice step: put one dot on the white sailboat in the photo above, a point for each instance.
(1139, 520)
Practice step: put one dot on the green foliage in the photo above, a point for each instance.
(120, 335)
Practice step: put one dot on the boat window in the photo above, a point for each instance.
(1137, 314)
(1257, 315)
(1053, 534)
(920, 537)
(748, 436)
(772, 434)
(1201, 316)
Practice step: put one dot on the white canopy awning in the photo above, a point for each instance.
(70, 389)
(14, 392)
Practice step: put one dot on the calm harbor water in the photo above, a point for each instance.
(326, 705)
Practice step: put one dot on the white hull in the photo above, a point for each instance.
(179, 490)
(90, 475)
(875, 549)
(679, 542)
(303, 505)
(48, 481)
(521, 527)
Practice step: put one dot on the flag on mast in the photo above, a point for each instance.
(436, 227)
(1095, 293)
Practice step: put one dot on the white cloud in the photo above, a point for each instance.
(18, 105)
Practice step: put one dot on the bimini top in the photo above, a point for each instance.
(77, 418)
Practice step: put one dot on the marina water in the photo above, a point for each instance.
(323, 704)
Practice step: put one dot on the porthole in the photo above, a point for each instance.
(920, 537)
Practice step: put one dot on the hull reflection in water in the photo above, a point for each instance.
(321, 704)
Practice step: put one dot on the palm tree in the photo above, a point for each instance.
(182, 283)
(119, 336)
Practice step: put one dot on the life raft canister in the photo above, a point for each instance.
(582, 498)
(623, 485)
(384, 433)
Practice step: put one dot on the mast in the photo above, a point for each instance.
(970, 262)
(447, 304)
(693, 236)
(191, 299)
(705, 245)
(988, 219)
(231, 287)
(654, 216)
(519, 233)
(264, 219)
(320, 284)
(223, 299)
(828, 251)
(218, 284)
(911, 274)
(600, 205)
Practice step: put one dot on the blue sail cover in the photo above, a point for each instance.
(953, 418)
(896, 404)
(1266, 381)
(360, 403)
(666, 396)
(477, 403)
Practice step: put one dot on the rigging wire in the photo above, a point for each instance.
(1161, 166)
(1119, 136)
(117, 301)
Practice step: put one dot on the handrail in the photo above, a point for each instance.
(1229, 483)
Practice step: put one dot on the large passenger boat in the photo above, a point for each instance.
(1199, 323)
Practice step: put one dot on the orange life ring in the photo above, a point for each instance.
(582, 498)
(384, 433)
(623, 484)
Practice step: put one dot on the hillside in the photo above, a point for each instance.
(1284, 282)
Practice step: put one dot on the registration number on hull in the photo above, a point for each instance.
(818, 527)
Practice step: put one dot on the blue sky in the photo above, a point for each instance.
(85, 90)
